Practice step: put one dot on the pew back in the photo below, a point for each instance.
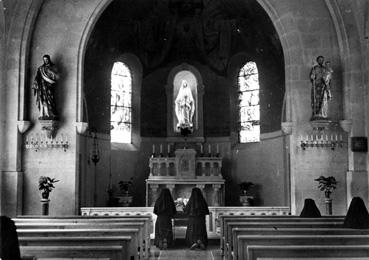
(275, 218)
(95, 222)
(31, 242)
(245, 241)
(241, 232)
(308, 251)
(49, 233)
(72, 252)
(288, 223)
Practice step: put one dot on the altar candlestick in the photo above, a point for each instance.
(336, 138)
(217, 148)
(201, 148)
(209, 148)
(168, 148)
(153, 148)
(161, 148)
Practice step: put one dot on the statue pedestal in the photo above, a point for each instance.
(49, 126)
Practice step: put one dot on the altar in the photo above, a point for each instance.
(183, 172)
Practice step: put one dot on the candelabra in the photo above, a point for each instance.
(319, 141)
(39, 141)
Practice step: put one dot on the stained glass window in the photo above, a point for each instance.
(121, 109)
(249, 106)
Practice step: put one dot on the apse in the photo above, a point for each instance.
(215, 38)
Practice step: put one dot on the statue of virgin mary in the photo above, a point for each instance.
(184, 107)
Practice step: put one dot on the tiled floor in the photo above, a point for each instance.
(181, 252)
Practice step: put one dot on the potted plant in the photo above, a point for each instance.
(125, 197)
(327, 184)
(245, 198)
(46, 185)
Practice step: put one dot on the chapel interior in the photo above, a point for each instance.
(159, 44)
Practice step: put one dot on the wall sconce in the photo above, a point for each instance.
(321, 141)
(95, 153)
(42, 141)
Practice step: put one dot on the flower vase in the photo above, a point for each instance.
(246, 200)
(124, 200)
(45, 195)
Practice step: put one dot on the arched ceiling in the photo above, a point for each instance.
(208, 31)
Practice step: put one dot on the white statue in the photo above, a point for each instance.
(184, 106)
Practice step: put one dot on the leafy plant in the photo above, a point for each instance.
(125, 185)
(46, 184)
(327, 184)
(245, 186)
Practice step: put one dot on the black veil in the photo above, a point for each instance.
(164, 205)
(196, 205)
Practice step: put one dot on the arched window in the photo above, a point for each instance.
(249, 107)
(121, 100)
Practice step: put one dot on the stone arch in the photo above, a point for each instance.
(90, 24)
(292, 50)
(351, 59)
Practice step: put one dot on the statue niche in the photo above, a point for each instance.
(184, 96)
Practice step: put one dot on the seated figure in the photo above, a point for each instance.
(165, 209)
(196, 210)
(357, 215)
(9, 240)
(310, 210)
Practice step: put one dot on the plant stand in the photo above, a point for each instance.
(328, 206)
(44, 207)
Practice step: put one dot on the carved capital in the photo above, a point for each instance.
(287, 127)
(23, 126)
(346, 125)
(81, 127)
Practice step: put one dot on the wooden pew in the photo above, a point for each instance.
(283, 218)
(234, 218)
(42, 221)
(308, 251)
(241, 233)
(275, 225)
(250, 240)
(88, 225)
(49, 233)
(71, 252)
(28, 244)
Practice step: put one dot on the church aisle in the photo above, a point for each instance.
(181, 252)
